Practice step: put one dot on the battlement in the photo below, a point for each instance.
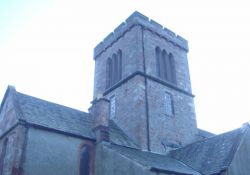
(139, 19)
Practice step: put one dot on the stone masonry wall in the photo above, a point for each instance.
(8, 112)
(131, 58)
(130, 109)
(182, 126)
(137, 38)
(14, 151)
(151, 41)
(52, 153)
(178, 128)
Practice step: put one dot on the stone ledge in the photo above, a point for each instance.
(168, 84)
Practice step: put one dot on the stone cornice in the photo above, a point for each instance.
(168, 84)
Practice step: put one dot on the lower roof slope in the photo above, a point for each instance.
(213, 154)
(208, 156)
(154, 162)
(43, 113)
(61, 118)
(48, 115)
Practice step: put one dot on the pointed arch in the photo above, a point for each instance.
(114, 69)
(158, 61)
(108, 72)
(86, 158)
(85, 161)
(164, 65)
(172, 65)
(119, 56)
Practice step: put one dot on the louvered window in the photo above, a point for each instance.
(165, 65)
(114, 69)
(112, 107)
(168, 104)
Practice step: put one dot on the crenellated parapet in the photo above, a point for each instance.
(139, 19)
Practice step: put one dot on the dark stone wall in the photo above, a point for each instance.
(130, 45)
(52, 153)
(130, 96)
(151, 41)
(9, 112)
(14, 151)
(138, 45)
(180, 128)
(130, 109)
(109, 162)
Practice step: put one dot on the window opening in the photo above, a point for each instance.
(112, 107)
(169, 104)
(85, 161)
(165, 65)
(114, 69)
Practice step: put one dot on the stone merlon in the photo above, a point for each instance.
(139, 19)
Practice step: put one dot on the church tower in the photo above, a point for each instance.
(142, 69)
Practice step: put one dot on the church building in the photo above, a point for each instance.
(141, 121)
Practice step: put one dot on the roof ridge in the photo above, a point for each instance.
(136, 149)
(50, 102)
(244, 129)
(127, 156)
(226, 143)
(117, 127)
(9, 88)
(185, 164)
(121, 151)
(127, 147)
(209, 138)
(11, 91)
(206, 132)
(18, 107)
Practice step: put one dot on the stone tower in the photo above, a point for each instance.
(142, 69)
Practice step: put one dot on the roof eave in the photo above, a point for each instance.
(7, 92)
(159, 170)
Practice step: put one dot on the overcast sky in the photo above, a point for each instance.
(46, 50)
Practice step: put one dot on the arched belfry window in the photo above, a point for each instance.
(172, 76)
(114, 69)
(158, 57)
(108, 72)
(165, 65)
(85, 161)
(119, 57)
(2, 155)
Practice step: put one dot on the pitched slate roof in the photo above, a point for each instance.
(205, 134)
(208, 156)
(54, 116)
(155, 162)
(41, 113)
(211, 155)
